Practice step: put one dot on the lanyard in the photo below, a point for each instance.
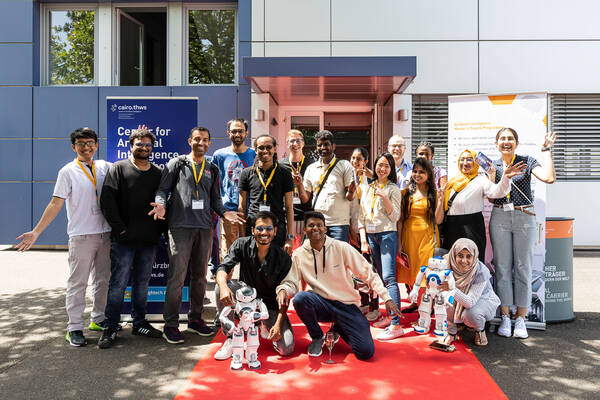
(262, 182)
(359, 189)
(93, 180)
(511, 161)
(324, 174)
(375, 197)
(296, 171)
(315, 260)
(198, 177)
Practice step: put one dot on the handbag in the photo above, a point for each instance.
(402, 260)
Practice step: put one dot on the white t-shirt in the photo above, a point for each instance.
(470, 199)
(83, 208)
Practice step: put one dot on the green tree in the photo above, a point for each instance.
(72, 50)
(211, 46)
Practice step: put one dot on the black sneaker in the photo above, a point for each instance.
(315, 348)
(147, 330)
(199, 327)
(108, 338)
(172, 335)
(76, 338)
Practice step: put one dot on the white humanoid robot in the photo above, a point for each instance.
(245, 309)
(435, 273)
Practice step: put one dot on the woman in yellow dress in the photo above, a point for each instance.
(422, 210)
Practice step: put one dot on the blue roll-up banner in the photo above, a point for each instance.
(170, 119)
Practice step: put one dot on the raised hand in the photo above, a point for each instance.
(515, 169)
(549, 139)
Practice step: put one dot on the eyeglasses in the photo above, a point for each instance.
(81, 145)
(295, 141)
(261, 228)
(397, 145)
(140, 144)
(265, 147)
(236, 131)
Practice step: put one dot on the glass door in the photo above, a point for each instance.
(309, 124)
(131, 50)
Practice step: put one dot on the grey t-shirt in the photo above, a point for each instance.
(178, 179)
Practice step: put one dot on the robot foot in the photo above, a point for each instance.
(420, 330)
(254, 364)
(440, 333)
(235, 365)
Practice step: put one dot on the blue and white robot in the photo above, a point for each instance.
(249, 310)
(435, 273)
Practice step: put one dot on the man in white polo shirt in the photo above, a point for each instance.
(331, 183)
(79, 183)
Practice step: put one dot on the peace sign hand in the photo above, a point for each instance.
(549, 139)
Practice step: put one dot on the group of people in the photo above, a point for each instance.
(332, 224)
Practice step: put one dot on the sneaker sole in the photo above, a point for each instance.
(172, 341)
(520, 337)
(315, 355)
(199, 333)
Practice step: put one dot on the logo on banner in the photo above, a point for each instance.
(113, 108)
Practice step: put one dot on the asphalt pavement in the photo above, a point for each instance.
(36, 362)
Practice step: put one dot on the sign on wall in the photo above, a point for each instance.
(170, 119)
(473, 122)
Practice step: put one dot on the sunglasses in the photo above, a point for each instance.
(265, 147)
(147, 145)
(261, 228)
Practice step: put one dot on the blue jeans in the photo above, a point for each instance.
(128, 261)
(384, 247)
(339, 232)
(350, 323)
(513, 235)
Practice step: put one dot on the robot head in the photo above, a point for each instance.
(245, 294)
(437, 263)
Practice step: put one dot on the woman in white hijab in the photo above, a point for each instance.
(474, 299)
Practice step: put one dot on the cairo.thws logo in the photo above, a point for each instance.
(113, 108)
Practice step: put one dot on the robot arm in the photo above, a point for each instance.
(226, 322)
(414, 293)
(263, 314)
(449, 295)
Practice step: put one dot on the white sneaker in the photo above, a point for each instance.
(225, 351)
(520, 329)
(391, 332)
(383, 323)
(505, 326)
(373, 315)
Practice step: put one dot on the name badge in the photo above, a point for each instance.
(371, 228)
(264, 207)
(197, 204)
(96, 209)
(297, 200)
(508, 207)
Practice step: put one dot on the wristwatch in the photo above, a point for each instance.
(546, 148)
(290, 237)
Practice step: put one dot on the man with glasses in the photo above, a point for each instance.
(262, 267)
(128, 190)
(231, 161)
(397, 147)
(268, 187)
(194, 186)
(79, 183)
(297, 163)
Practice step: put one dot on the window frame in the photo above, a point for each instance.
(187, 7)
(45, 10)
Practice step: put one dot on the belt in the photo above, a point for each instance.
(520, 208)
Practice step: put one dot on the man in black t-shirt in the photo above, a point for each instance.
(268, 187)
(128, 190)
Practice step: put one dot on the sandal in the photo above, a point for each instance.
(481, 338)
(451, 338)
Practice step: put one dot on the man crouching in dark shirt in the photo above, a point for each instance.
(262, 267)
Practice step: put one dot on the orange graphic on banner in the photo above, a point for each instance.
(545, 120)
(559, 229)
(502, 100)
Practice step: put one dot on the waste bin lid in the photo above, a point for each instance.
(560, 219)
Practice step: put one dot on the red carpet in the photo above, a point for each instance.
(402, 368)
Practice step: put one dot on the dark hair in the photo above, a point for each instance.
(325, 135)
(412, 188)
(83, 133)
(200, 129)
(313, 214)
(265, 215)
(426, 144)
(240, 120)
(140, 134)
(511, 130)
(274, 145)
(390, 159)
(362, 151)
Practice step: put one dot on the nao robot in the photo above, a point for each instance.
(435, 273)
(245, 309)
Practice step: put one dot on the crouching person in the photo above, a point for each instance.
(327, 265)
(263, 267)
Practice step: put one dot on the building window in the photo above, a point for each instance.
(211, 44)
(70, 47)
(430, 124)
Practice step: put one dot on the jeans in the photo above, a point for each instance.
(384, 247)
(129, 261)
(349, 322)
(339, 232)
(513, 235)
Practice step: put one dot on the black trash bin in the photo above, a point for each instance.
(559, 269)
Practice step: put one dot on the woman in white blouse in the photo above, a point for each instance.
(380, 212)
(464, 197)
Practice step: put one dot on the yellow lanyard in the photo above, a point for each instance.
(296, 171)
(93, 180)
(511, 161)
(398, 171)
(198, 177)
(358, 189)
(324, 174)
(262, 182)
(375, 197)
